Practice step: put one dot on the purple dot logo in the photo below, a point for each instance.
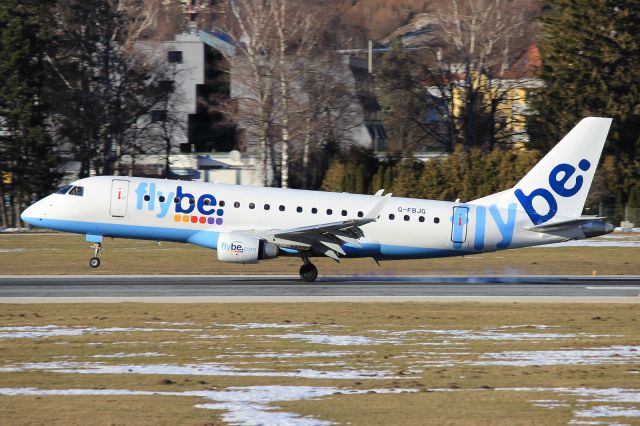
(219, 221)
(211, 221)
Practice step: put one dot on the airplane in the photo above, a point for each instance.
(247, 224)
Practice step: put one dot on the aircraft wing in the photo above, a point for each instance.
(324, 238)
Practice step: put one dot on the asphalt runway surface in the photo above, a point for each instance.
(283, 288)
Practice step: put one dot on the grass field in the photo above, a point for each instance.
(363, 364)
(69, 254)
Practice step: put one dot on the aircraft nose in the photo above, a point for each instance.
(29, 215)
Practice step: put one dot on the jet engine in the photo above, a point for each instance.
(237, 248)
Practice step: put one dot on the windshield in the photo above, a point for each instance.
(64, 189)
(77, 190)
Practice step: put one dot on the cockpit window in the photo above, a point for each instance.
(64, 189)
(77, 190)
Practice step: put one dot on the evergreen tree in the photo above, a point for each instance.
(590, 53)
(27, 157)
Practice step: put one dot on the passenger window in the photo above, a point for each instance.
(64, 189)
(207, 202)
(299, 209)
(77, 190)
(161, 198)
(252, 206)
(236, 204)
(329, 212)
(281, 208)
(406, 218)
(192, 201)
(267, 206)
(221, 203)
(176, 200)
(421, 219)
(360, 214)
(436, 220)
(147, 197)
(314, 210)
(392, 216)
(344, 212)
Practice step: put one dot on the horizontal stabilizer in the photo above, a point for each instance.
(567, 224)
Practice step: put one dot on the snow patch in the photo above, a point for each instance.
(595, 356)
(37, 332)
(126, 355)
(335, 340)
(608, 411)
(258, 325)
(205, 369)
(243, 405)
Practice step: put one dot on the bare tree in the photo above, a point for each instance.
(105, 83)
(463, 88)
(276, 39)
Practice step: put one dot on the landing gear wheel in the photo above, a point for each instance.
(308, 272)
(94, 262)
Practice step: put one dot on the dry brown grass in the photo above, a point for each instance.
(471, 402)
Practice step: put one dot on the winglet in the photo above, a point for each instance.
(375, 212)
(379, 192)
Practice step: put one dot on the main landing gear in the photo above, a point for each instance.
(94, 262)
(308, 271)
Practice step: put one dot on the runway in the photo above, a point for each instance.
(187, 288)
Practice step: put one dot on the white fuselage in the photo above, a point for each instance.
(144, 208)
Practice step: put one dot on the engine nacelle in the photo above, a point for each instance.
(236, 248)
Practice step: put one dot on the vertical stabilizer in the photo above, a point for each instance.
(556, 188)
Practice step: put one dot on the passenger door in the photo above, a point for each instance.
(119, 197)
(459, 228)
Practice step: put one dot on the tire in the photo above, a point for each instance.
(94, 262)
(308, 272)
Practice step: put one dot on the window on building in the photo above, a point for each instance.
(299, 209)
(158, 115)
(166, 85)
(281, 208)
(267, 206)
(77, 190)
(174, 56)
(392, 216)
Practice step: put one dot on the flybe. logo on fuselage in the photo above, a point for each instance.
(185, 205)
(558, 179)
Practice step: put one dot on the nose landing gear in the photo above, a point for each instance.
(308, 271)
(94, 262)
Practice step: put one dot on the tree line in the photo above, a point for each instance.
(76, 89)
(588, 49)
